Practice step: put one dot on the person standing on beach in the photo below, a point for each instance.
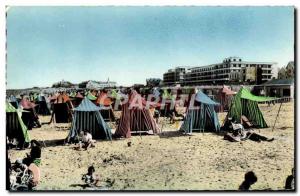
(90, 178)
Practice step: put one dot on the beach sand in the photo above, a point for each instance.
(170, 161)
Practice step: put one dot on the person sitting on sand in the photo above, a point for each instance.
(233, 137)
(240, 134)
(250, 179)
(35, 154)
(251, 135)
(290, 181)
(86, 140)
(90, 178)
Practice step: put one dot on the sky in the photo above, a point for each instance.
(129, 44)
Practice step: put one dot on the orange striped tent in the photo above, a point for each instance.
(106, 111)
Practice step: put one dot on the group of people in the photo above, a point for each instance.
(24, 174)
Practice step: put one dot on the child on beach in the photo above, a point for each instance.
(86, 140)
(90, 178)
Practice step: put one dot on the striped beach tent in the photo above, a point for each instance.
(106, 102)
(13, 101)
(224, 97)
(77, 99)
(42, 105)
(61, 109)
(201, 116)
(30, 118)
(91, 97)
(87, 117)
(246, 104)
(15, 127)
(135, 119)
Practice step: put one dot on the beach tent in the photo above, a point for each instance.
(72, 94)
(135, 119)
(165, 110)
(201, 116)
(224, 97)
(91, 97)
(42, 105)
(116, 97)
(87, 117)
(30, 118)
(62, 109)
(106, 103)
(15, 127)
(246, 104)
(77, 99)
(167, 107)
(13, 101)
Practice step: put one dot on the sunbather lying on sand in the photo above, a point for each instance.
(240, 134)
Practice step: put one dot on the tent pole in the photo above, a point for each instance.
(277, 115)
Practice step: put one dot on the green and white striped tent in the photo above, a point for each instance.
(246, 104)
(15, 127)
(202, 116)
(87, 117)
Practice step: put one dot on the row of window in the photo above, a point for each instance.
(230, 65)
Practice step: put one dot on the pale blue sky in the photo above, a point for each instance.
(130, 44)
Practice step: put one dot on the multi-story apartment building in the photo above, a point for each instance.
(174, 76)
(231, 70)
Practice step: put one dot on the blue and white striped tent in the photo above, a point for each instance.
(87, 117)
(203, 117)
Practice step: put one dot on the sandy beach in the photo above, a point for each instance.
(170, 160)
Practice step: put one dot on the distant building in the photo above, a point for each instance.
(287, 72)
(63, 84)
(231, 70)
(153, 82)
(91, 84)
(283, 88)
(174, 76)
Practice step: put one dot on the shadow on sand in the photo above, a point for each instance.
(168, 134)
(52, 143)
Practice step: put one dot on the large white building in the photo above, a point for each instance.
(97, 85)
(231, 70)
(175, 76)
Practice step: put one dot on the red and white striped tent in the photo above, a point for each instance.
(225, 96)
(136, 119)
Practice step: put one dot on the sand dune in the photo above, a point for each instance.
(171, 161)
